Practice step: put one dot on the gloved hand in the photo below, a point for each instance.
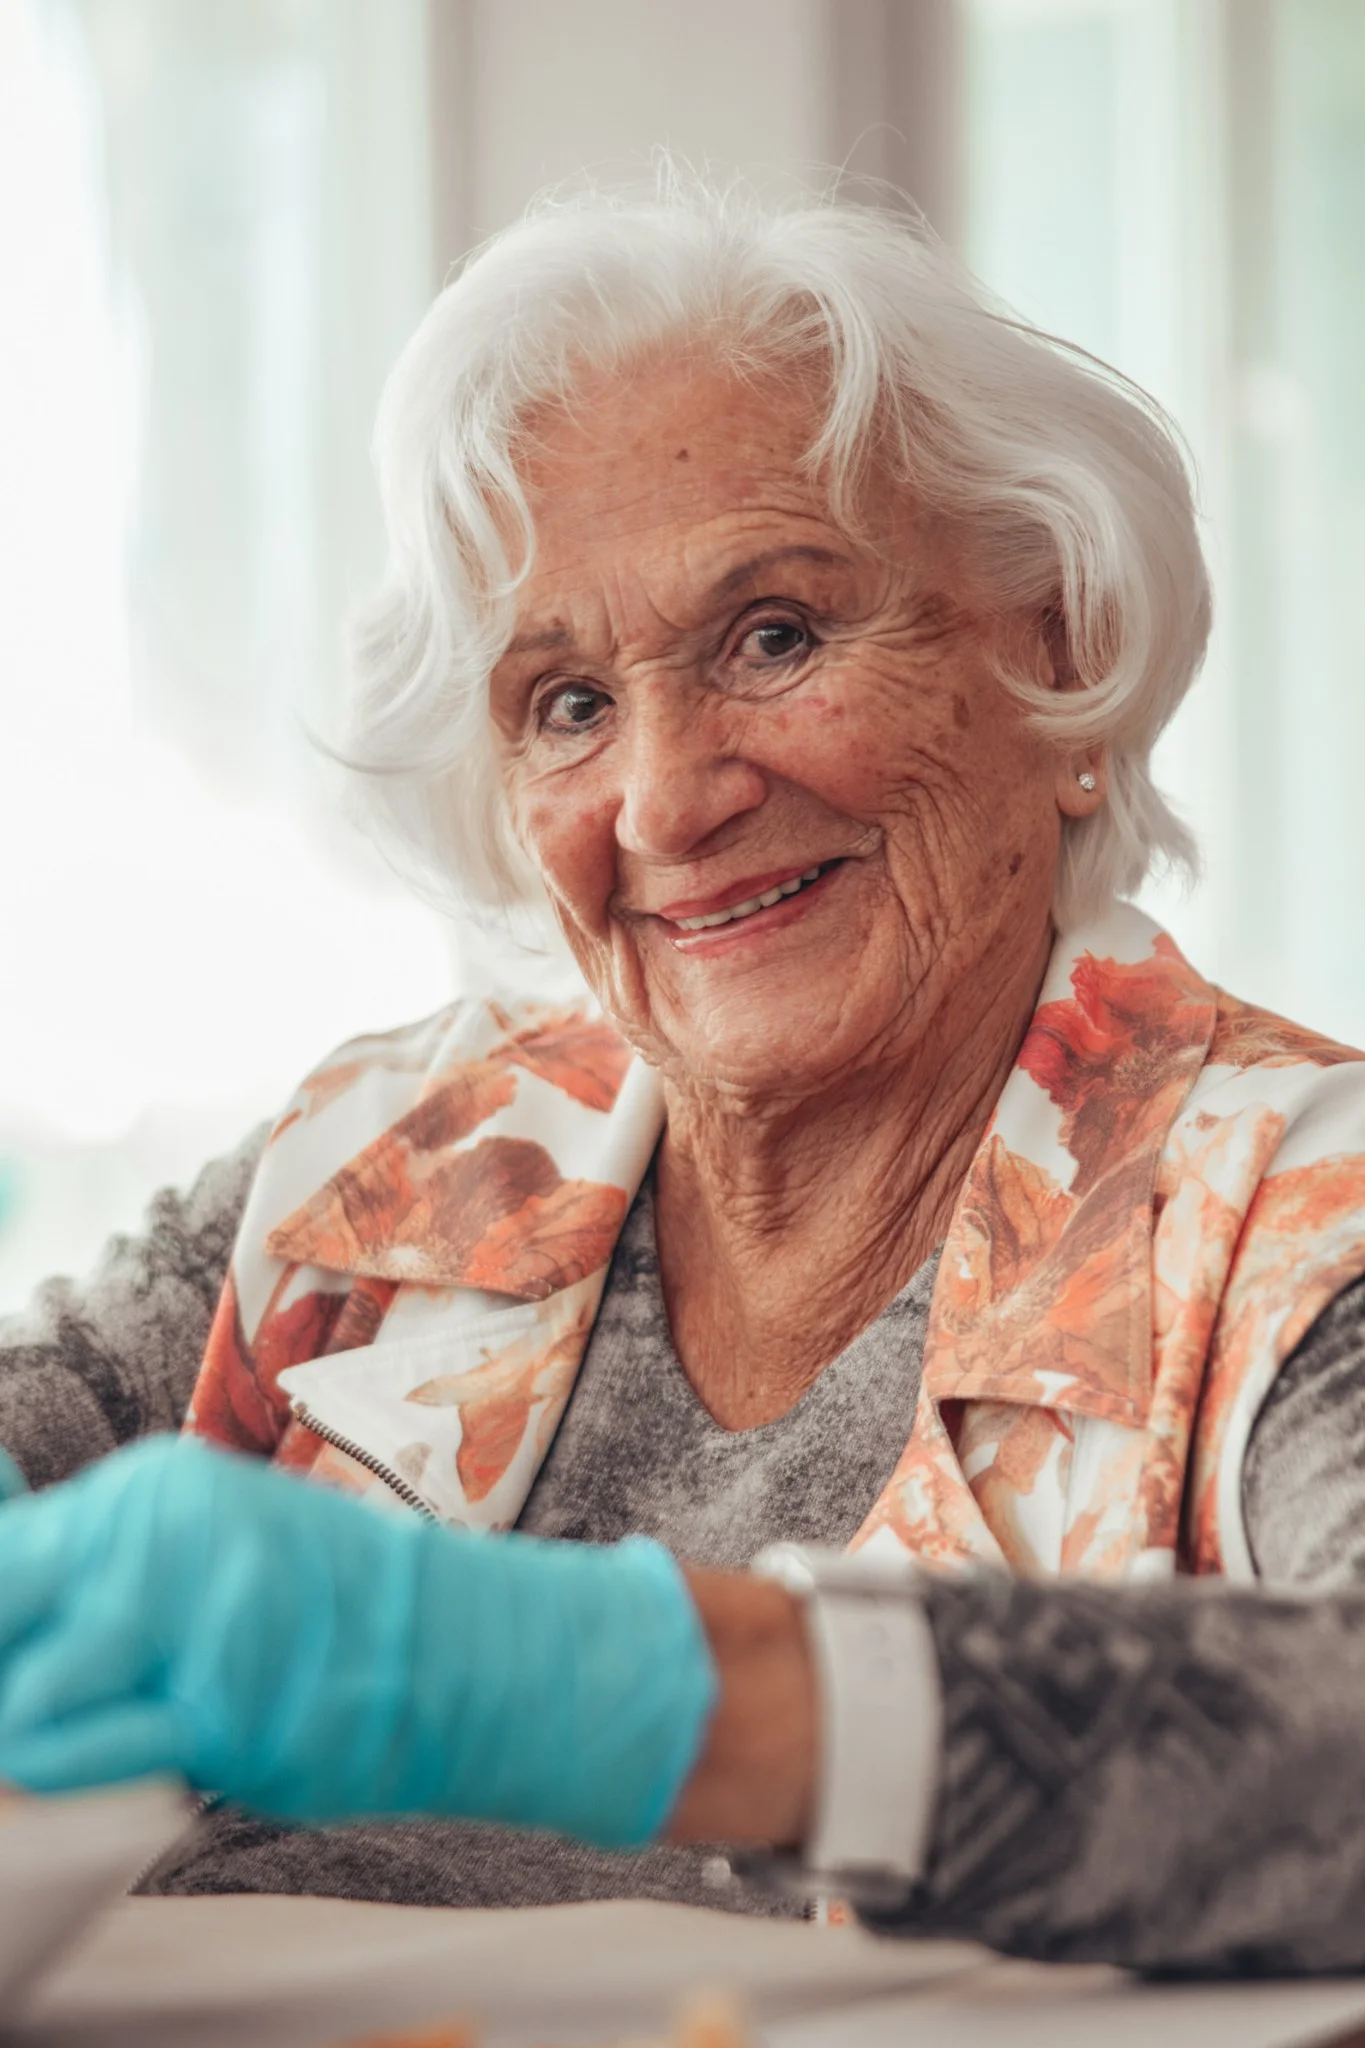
(175, 1608)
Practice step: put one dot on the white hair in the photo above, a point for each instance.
(1066, 481)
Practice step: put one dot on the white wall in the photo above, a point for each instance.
(528, 92)
(216, 235)
(558, 87)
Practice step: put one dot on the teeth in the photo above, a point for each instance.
(747, 908)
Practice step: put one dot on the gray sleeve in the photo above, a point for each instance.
(1164, 1778)
(1303, 1489)
(92, 1364)
(1174, 1778)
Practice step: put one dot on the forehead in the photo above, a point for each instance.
(664, 450)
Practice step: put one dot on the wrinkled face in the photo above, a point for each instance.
(788, 819)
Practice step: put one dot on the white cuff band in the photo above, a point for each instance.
(881, 1713)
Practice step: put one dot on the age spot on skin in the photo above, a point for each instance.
(1016, 862)
(962, 717)
(681, 455)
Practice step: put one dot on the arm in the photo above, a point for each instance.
(91, 1366)
(754, 1779)
(1160, 1778)
(1303, 1490)
(1165, 1777)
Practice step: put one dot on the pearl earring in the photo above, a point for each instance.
(1087, 781)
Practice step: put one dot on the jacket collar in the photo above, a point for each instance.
(1044, 1295)
(456, 1193)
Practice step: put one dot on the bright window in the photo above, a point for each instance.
(215, 238)
(1181, 188)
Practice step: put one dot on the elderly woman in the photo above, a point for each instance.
(796, 629)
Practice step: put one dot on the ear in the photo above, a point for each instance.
(1081, 782)
(1082, 775)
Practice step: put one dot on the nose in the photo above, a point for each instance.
(681, 777)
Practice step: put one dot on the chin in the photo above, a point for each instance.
(763, 1060)
(793, 1026)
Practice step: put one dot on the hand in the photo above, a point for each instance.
(754, 1780)
(174, 1608)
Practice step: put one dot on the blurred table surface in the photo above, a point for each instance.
(298, 1973)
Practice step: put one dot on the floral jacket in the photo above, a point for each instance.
(1171, 1189)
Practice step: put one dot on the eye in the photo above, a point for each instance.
(572, 707)
(774, 641)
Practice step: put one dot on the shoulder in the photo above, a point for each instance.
(1297, 1084)
(379, 1101)
(1246, 1036)
(1275, 1132)
(396, 1132)
(383, 1073)
(1267, 1169)
(369, 1084)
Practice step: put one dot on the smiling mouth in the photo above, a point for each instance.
(753, 904)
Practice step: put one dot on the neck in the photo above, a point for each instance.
(786, 1224)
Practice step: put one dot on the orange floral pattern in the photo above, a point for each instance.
(571, 1052)
(1089, 1287)
(1171, 1188)
(240, 1402)
(497, 1399)
(1248, 1037)
(444, 1220)
(1117, 1054)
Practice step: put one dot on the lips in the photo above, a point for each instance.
(732, 913)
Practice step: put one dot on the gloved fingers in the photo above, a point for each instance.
(97, 1540)
(133, 1739)
(83, 1660)
(36, 1566)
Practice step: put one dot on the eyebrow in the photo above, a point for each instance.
(556, 639)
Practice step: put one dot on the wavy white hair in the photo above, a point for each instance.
(1067, 483)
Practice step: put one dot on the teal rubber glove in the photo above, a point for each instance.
(179, 1609)
(12, 1480)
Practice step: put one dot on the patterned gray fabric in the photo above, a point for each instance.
(1169, 1779)
(1166, 1778)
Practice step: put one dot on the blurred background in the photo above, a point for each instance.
(219, 220)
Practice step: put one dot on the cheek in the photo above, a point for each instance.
(855, 749)
(571, 839)
(946, 757)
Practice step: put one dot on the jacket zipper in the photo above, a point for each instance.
(409, 1497)
(195, 1810)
